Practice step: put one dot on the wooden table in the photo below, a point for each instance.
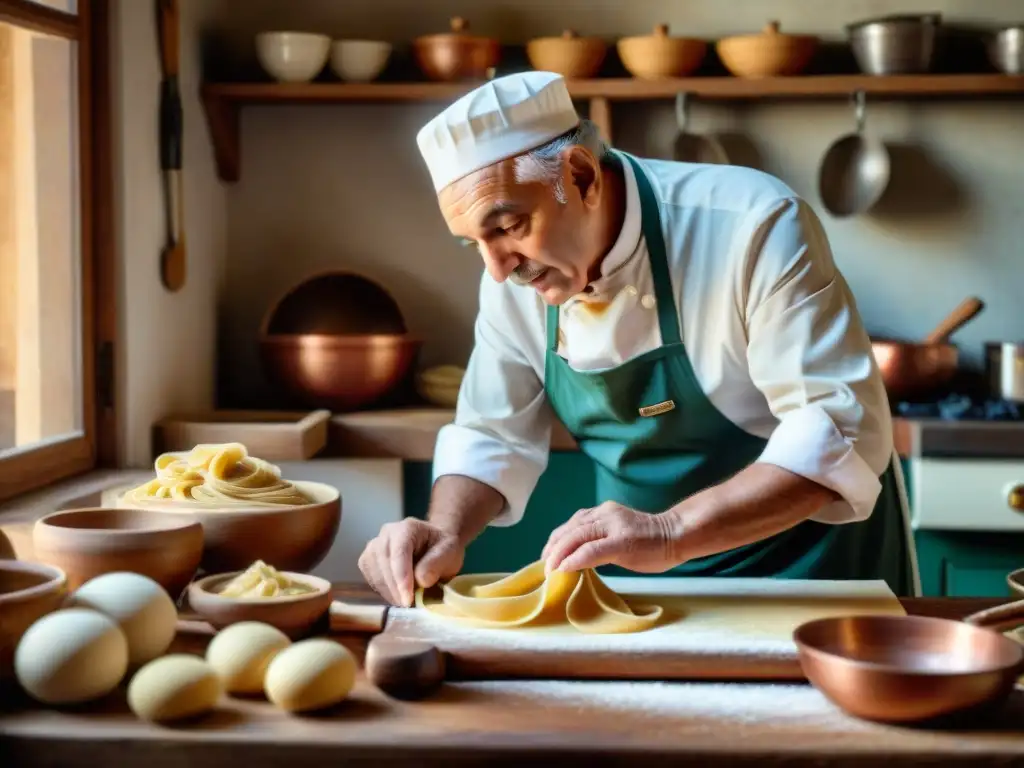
(506, 723)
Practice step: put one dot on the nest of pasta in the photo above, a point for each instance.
(217, 475)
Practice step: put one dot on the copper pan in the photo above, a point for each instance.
(913, 669)
(914, 370)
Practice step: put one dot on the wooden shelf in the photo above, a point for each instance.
(223, 101)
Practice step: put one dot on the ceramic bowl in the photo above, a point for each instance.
(661, 55)
(292, 57)
(359, 61)
(291, 538)
(86, 543)
(570, 55)
(295, 615)
(28, 591)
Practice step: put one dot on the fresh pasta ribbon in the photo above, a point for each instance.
(217, 475)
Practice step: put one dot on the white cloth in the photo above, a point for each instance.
(501, 119)
(769, 324)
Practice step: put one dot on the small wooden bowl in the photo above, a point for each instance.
(28, 591)
(295, 615)
(456, 55)
(659, 56)
(292, 538)
(570, 55)
(86, 543)
(768, 53)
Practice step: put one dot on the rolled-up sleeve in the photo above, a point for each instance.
(810, 356)
(501, 434)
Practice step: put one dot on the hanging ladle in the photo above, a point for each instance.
(855, 170)
(693, 147)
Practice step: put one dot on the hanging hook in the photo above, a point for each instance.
(859, 109)
(681, 111)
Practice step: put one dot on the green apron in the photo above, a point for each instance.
(651, 462)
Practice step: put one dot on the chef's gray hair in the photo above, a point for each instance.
(544, 164)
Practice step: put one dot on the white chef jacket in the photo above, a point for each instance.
(769, 323)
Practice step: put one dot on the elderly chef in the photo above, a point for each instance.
(688, 326)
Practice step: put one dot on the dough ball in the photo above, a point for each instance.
(71, 656)
(174, 687)
(142, 608)
(310, 675)
(240, 654)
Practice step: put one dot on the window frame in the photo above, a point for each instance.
(52, 460)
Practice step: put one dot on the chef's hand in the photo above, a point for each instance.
(410, 553)
(611, 534)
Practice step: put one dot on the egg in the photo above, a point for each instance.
(71, 656)
(240, 654)
(140, 606)
(310, 675)
(174, 687)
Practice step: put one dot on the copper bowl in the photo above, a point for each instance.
(86, 543)
(28, 591)
(907, 669)
(341, 373)
(334, 303)
(455, 55)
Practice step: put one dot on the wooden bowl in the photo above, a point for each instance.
(768, 53)
(658, 56)
(295, 615)
(455, 55)
(292, 538)
(86, 543)
(570, 55)
(28, 591)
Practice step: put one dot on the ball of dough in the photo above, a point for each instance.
(142, 608)
(71, 656)
(174, 687)
(240, 654)
(310, 675)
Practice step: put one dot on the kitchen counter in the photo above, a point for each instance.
(507, 722)
(410, 434)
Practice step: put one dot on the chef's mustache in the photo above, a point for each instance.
(524, 274)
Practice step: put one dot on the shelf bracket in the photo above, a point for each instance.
(222, 117)
(601, 115)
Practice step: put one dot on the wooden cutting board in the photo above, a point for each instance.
(727, 629)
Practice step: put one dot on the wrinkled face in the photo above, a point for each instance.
(529, 227)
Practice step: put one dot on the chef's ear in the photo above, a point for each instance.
(584, 172)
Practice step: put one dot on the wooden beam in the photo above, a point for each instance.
(40, 18)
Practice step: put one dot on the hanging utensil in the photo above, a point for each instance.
(855, 170)
(172, 260)
(693, 147)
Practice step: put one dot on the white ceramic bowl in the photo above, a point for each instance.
(359, 61)
(292, 57)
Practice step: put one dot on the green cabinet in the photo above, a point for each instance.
(567, 485)
(967, 564)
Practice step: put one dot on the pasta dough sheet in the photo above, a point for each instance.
(708, 628)
(529, 597)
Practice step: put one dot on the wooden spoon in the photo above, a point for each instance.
(955, 320)
(172, 260)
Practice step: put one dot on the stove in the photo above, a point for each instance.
(962, 408)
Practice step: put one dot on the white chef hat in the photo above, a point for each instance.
(501, 119)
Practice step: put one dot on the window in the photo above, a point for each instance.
(55, 214)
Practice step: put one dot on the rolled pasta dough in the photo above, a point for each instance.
(529, 597)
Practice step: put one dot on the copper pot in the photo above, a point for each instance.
(914, 370)
(905, 669)
(455, 55)
(341, 373)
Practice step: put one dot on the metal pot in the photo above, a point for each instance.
(693, 147)
(1004, 369)
(895, 45)
(914, 370)
(1006, 50)
(855, 170)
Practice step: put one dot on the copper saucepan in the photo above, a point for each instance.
(914, 370)
(906, 669)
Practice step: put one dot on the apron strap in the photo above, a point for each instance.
(552, 325)
(668, 316)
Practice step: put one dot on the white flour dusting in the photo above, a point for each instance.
(717, 704)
